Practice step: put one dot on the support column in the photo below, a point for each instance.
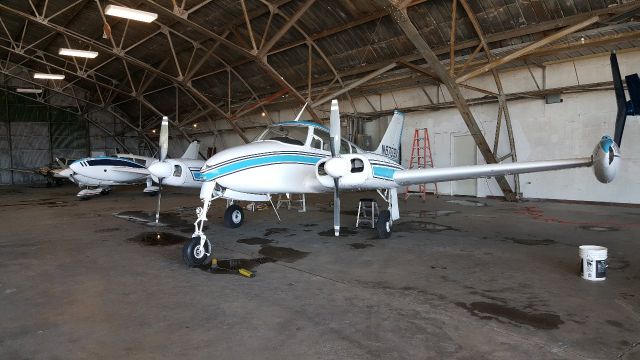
(400, 16)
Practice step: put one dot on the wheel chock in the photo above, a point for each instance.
(246, 273)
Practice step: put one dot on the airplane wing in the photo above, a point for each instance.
(141, 171)
(424, 176)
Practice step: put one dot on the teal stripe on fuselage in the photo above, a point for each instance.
(261, 161)
(383, 172)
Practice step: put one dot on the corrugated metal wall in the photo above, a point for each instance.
(32, 134)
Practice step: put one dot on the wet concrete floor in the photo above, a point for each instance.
(468, 278)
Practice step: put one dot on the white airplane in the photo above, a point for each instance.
(305, 157)
(98, 174)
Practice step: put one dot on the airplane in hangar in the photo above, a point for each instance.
(305, 157)
(98, 174)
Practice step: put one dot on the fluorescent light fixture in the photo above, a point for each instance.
(78, 53)
(29, 91)
(128, 13)
(48, 76)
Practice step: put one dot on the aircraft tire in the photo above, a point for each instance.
(233, 216)
(383, 225)
(193, 256)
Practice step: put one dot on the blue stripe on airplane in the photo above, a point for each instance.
(250, 163)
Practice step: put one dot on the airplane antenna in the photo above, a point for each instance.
(301, 111)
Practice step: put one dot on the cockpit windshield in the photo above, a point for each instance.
(294, 135)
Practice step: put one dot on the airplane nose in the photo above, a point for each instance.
(161, 169)
(66, 172)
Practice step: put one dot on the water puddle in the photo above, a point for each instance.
(530, 242)
(359, 246)
(429, 213)
(280, 253)
(178, 220)
(467, 202)
(408, 226)
(344, 232)
(254, 241)
(154, 238)
(272, 231)
(499, 312)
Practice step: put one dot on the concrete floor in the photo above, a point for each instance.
(454, 281)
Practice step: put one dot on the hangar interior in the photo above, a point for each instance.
(485, 267)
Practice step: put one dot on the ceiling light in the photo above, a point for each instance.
(195, 125)
(48, 76)
(29, 91)
(264, 114)
(153, 131)
(128, 13)
(78, 53)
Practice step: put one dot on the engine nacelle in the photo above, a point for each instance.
(359, 171)
(606, 160)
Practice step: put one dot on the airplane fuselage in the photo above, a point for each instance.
(286, 165)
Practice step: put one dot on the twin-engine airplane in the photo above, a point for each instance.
(98, 174)
(305, 157)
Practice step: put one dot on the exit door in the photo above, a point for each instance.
(464, 153)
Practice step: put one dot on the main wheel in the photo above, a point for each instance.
(383, 225)
(195, 255)
(233, 216)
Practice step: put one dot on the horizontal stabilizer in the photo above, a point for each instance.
(424, 176)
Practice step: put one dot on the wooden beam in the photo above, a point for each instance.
(528, 49)
(401, 17)
(283, 30)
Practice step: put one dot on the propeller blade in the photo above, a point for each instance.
(334, 127)
(336, 206)
(159, 198)
(621, 99)
(164, 138)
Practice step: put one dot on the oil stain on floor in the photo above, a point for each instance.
(499, 312)
(154, 238)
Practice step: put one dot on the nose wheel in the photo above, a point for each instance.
(196, 252)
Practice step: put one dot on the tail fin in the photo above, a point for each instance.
(192, 151)
(390, 144)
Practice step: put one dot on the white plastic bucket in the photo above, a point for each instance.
(593, 262)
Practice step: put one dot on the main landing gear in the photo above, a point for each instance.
(385, 218)
(233, 216)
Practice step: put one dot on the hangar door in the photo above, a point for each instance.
(464, 153)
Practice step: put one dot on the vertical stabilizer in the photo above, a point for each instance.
(192, 151)
(390, 144)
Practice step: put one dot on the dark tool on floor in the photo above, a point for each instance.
(231, 265)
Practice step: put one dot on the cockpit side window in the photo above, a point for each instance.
(344, 147)
(177, 170)
(320, 140)
(294, 135)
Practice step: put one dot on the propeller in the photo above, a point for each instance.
(625, 107)
(160, 168)
(335, 166)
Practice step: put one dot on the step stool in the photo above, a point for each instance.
(368, 208)
(290, 201)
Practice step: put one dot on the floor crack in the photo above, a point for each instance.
(628, 349)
